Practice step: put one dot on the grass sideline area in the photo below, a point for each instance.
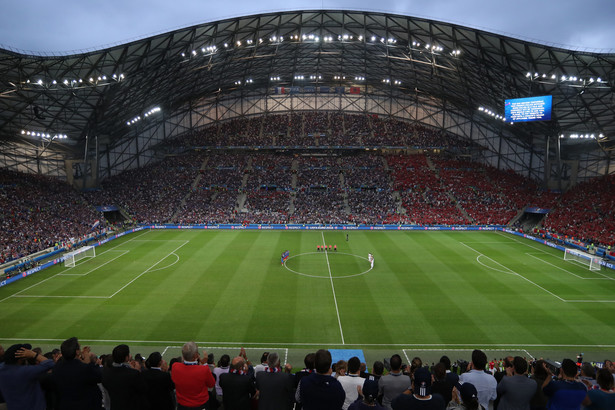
(428, 293)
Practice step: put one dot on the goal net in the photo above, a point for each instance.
(582, 258)
(71, 258)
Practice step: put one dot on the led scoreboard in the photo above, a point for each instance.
(528, 109)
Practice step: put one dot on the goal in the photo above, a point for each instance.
(582, 258)
(71, 258)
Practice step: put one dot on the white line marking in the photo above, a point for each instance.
(535, 284)
(325, 277)
(469, 350)
(92, 270)
(148, 269)
(51, 277)
(234, 345)
(405, 354)
(565, 270)
(333, 289)
(168, 266)
(490, 267)
(56, 296)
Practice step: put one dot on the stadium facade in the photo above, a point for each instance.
(110, 110)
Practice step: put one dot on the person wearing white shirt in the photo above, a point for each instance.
(485, 383)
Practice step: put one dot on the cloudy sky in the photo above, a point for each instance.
(66, 25)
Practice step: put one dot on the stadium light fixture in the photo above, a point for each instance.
(44, 135)
(583, 136)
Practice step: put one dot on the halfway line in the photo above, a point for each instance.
(333, 288)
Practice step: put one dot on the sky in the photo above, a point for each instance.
(63, 26)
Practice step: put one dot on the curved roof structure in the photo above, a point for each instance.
(438, 74)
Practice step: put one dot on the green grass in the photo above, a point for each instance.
(427, 290)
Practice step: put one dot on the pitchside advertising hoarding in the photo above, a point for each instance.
(528, 109)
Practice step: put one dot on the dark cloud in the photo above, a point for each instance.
(47, 26)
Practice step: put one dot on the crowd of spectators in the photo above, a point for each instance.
(74, 377)
(587, 212)
(152, 193)
(259, 187)
(471, 187)
(38, 212)
(317, 128)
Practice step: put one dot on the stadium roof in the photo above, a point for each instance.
(459, 69)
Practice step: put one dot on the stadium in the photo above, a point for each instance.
(148, 190)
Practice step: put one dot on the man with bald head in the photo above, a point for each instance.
(237, 386)
(192, 378)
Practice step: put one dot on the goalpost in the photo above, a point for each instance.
(71, 258)
(582, 258)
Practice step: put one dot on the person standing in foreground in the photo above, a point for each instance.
(484, 383)
(321, 391)
(394, 383)
(604, 397)
(420, 398)
(159, 384)
(276, 386)
(76, 378)
(192, 378)
(351, 381)
(566, 392)
(516, 391)
(238, 387)
(125, 385)
(19, 382)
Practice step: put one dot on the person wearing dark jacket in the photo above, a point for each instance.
(275, 385)
(159, 384)
(237, 386)
(75, 378)
(125, 385)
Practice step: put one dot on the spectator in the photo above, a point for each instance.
(604, 397)
(441, 385)
(160, 386)
(320, 391)
(237, 387)
(125, 385)
(539, 374)
(192, 379)
(368, 397)
(394, 383)
(484, 383)
(19, 382)
(377, 371)
(276, 387)
(565, 392)
(588, 376)
(516, 391)
(465, 397)
(420, 397)
(223, 367)
(451, 377)
(263, 364)
(351, 382)
(76, 378)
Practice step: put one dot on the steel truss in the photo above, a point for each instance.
(433, 73)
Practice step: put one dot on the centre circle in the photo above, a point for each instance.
(327, 265)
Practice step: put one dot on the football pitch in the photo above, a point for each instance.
(428, 293)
